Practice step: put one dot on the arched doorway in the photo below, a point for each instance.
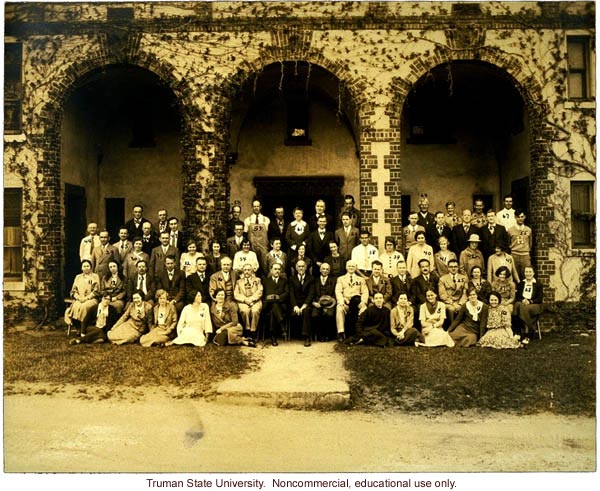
(291, 119)
(120, 146)
(466, 136)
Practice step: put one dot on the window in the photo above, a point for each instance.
(13, 250)
(582, 213)
(578, 59)
(13, 87)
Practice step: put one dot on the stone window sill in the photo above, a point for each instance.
(580, 104)
(15, 286)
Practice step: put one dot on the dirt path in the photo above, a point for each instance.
(74, 431)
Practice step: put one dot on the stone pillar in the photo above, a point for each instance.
(380, 194)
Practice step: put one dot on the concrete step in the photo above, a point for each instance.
(292, 376)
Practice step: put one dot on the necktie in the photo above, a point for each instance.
(492, 230)
(170, 275)
(322, 234)
(466, 229)
(256, 220)
(301, 280)
(201, 276)
(440, 230)
(454, 280)
(123, 245)
(139, 287)
(351, 279)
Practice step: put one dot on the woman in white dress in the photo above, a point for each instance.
(419, 251)
(194, 324)
(432, 315)
(390, 258)
(188, 259)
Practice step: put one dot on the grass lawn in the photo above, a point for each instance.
(36, 356)
(556, 375)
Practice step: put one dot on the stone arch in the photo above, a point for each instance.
(48, 140)
(513, 70)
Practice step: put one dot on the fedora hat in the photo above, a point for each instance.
(474, 238)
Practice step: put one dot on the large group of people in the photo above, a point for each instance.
(448, 281)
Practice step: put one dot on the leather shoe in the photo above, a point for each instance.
(307, 342)
(341, 337)
(274, 341)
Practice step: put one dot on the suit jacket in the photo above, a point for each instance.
(384, 286)
(318, 249)
(170, 320)
(426, 220)
(301, 293)
(232, 247)
(489, 242)
(149, 243)
(399, 286)
(346, 289)
(175, 288)
(347, 243)
(133, 230)
(193, 285)
(92, 315)
(101, 257)
(450, 292)
(537, 294)
(419, 286)
(459, 241)
(276, 292)
(158, 229)
(354, 217)
(123, 252)
(432, 235)
(180, 242)
(276, 232)
(132, 282)
(157, 260)
(218, 281)
(248, 289)
(327, 289)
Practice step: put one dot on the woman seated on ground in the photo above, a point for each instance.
(84, 293)
(481, 285)
(443, 256)
(505, 287)
(300, 256)
(432, 315)
(187, 261)
(132, 258)
(498, 333)
(134, 322)
(469, 324)
(113, 284)
(97, 322)
(373, 325)
(402, 319)
(529, 298)
(164, 322)
(224, 319)
(419, 251)
(194, 324)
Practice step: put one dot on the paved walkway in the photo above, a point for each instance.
(291, 375)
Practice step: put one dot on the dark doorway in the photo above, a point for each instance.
(406, 209)
(519, 190)
(290, 192)
(75, 230)
(115, 216)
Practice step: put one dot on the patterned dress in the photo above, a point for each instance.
(499, 335)
(432, 319)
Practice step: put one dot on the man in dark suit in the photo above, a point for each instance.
(493, 235)
(461, 233)
(149, 240)
(302, 293)
(103, 255)
(436, 230)
(198, 282)
(425, 217)
(97, 322)
(234, 243)
(157, 258)
(347, 237)
(323, 305)
(319, 212)
(134, 226)
(162, 224)
(427, 280)
(318, 244)
(176, 238)
(278, 227)
(172, 280)
(401, 283)
(352, 212)
(275, 299)
(142, 280)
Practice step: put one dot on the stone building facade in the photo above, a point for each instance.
(195, 106)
